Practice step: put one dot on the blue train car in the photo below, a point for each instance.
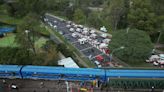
(60, 73)
(10, 71)
(118, 73)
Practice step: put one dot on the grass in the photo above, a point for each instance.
(40, 42)
(56, 13)
(8, 41)
(43, 30)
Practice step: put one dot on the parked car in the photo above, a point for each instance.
(14, 86)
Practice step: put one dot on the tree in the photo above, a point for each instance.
(94, 20)
(16, 55)
(137, 45)
(142, 16)
(1, 2)
(66, 51)
(79, 16)
(27, 32)
(113, 12)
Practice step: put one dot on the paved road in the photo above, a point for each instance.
(87, 49)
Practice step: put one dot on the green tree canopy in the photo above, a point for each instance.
(94, 20)
(142, 16)
(137, 45)
(79, 16)
(113, 10)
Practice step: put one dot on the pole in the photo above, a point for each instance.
(157, 42)
(159, 37)
(122, 47)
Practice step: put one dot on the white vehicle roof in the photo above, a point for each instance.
(13, 86)
(154, 57)
(99, 66)
(85, 29)
(155, 63)
(104, 35)
(68, 26)
(85, 32)
(106, 40)
(84, 39)
(69, 22)
(78, 29)
(93, 35)
(75, 25)
(97, 63)
(81, 26)
(55, 21)
(161, 56)
(55, 26)
(74, 35)
(71, 29)
(103, 45)
(92, 31)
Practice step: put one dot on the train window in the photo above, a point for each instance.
(46, 74)
(8, 73)
(78, 76)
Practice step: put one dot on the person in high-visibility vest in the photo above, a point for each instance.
(94, 83)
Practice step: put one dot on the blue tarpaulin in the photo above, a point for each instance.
(6, 30)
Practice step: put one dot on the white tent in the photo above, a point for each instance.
(103, 29)
(68, 62)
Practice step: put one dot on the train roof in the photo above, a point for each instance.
(10, 67)
(61, 70)
(135, 73)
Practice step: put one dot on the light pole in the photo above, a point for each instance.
(160, 33)
(120, 48)
(28, 37)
